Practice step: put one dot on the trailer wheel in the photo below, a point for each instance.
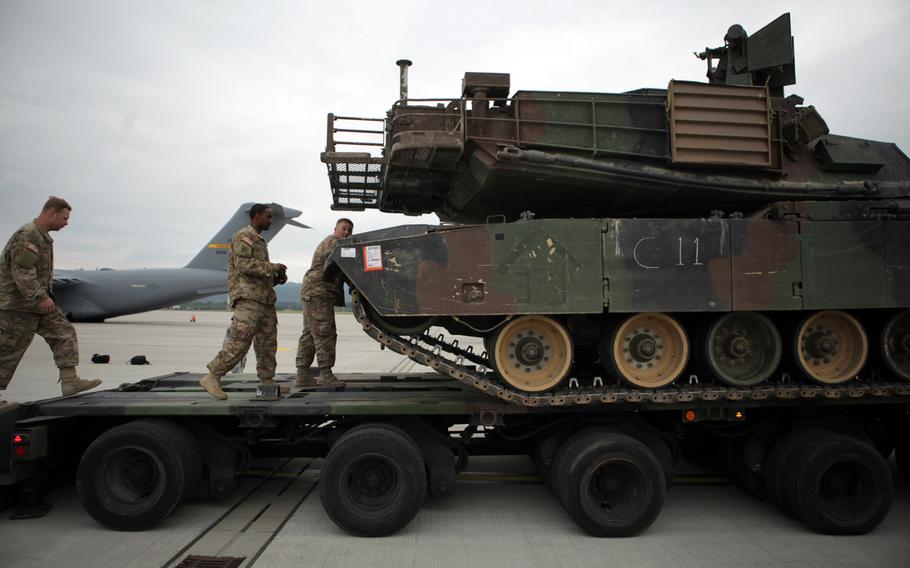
(842, 486)
(373, 481)
(544, 452)
(611, 484)
(133, 476)
(779, 460)
(902, 457)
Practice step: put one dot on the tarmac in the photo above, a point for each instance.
(500, 515)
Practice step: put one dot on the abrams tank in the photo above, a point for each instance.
(632, 244)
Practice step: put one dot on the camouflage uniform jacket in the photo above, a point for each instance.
(27, 269)
(250, 272)
(314, 286)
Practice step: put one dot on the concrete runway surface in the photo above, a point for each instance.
(500, 515)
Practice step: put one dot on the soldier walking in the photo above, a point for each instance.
(27, 303)
(251, 279)
(319, 299)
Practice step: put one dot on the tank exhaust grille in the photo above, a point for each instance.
(719, 125)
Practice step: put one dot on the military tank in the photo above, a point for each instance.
(707, 239)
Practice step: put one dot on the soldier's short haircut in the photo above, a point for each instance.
(257, 208)
(344, 220)
(55, 204)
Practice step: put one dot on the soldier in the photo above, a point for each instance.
(319, 299)
(251, 278)
(27, 303)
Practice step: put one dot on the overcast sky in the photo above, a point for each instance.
(157, 119)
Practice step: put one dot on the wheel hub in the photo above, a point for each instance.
(529, 351)
(820, 345)
(643, 348)
(373, 480)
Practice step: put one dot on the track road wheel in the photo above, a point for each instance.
(648, 350)
(611, 484)
(373, 481)
(831, 347)
(742, 349)
(532, 353)
(895, 344)
(841, 485)
(133, 476)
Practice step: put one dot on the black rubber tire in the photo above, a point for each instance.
(842, 486)
(804, 442)
(546, 446)
(902, 452)
(736, 465)
(777, 462)
(611, 485)
(556, 474)
(356, 460)
(134, 475)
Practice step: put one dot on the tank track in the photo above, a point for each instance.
(449, 359)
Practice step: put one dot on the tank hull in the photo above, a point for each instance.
(790, 257)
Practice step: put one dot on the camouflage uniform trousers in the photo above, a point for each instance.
(17, 329)
(319, 336)
(253, 323)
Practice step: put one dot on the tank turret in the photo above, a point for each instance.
(735, 143)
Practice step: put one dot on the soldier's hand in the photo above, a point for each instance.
(280, 267)
(47, 306)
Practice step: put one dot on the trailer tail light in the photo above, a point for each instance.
(713, 414)
(30, 444)
(20, 446)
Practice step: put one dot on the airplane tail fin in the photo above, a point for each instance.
(215, 254)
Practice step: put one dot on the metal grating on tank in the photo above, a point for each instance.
(355, 179)
(719, 125)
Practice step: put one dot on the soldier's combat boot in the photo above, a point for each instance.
(304, 379)
(282, 389)
(70, 383)
(212, 385)
(328, 379)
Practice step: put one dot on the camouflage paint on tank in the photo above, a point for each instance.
(792, 257)
(677, 265)
(600, 123)
(509, 268)
(766, 264)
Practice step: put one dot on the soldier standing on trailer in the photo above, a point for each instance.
(27, 303)
(251, 279)
(319, 299)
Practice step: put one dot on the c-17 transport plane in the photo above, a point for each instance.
(95, 295)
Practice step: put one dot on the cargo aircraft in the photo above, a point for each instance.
(95, 295)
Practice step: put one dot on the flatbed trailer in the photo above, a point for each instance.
(391, 440)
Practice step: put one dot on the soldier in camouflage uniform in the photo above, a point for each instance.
(251, 279)
(319, 299)
(27, 303)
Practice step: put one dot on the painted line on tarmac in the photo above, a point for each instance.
(248, 527)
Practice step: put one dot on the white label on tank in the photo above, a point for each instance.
(348, 252)
(372, 258)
